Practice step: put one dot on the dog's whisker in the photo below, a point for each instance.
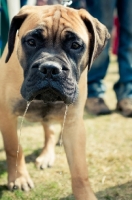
(62, 129)
(19, 138)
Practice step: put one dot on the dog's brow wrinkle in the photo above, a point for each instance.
(69, 18)
(56, 22)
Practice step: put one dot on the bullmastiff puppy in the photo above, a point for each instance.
(50, 50)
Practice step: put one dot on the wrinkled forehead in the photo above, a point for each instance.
(54, 20)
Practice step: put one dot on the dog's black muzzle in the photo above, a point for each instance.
(49, 81)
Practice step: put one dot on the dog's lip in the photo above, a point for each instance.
(44, 93)
(41, 95)
(58, 98)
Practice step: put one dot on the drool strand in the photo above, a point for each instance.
(18, 148)
(62, 129)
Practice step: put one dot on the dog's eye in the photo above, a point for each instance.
(75, 45)
(31, 42)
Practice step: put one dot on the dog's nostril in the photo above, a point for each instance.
(44, 71)
(35, 66)
(55, 71)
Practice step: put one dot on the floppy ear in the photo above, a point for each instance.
(98, 32)
(15, 25)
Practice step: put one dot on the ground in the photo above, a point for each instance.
(109, 156)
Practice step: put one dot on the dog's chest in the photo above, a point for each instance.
(39, 111)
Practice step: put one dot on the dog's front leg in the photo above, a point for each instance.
(47, 156)
(74, 143)
(8, 127)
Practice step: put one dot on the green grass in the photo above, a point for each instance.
(109, 157)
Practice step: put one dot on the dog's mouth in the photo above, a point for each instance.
(62, 89)
(49, 95)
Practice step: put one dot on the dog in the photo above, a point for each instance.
(50, 50)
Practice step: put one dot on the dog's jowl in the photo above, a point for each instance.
(49, 51)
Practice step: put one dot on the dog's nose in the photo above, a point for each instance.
(50, 69)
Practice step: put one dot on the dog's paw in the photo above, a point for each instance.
(22, 182)
(46, 159)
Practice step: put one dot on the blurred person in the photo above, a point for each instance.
(104, 10)
(75, 3)
(23, 2)
(4, 19)
(8, 9)
(49, 2)
(115, 36)
(78, 4)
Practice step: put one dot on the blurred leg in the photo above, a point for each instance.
(103, 11)
(123, 88)
(47, 156)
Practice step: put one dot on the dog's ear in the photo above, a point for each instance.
(15, 25)
(99, 35)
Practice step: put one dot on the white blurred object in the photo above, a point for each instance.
(31, 2)
(66, 2)
(13, 8)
